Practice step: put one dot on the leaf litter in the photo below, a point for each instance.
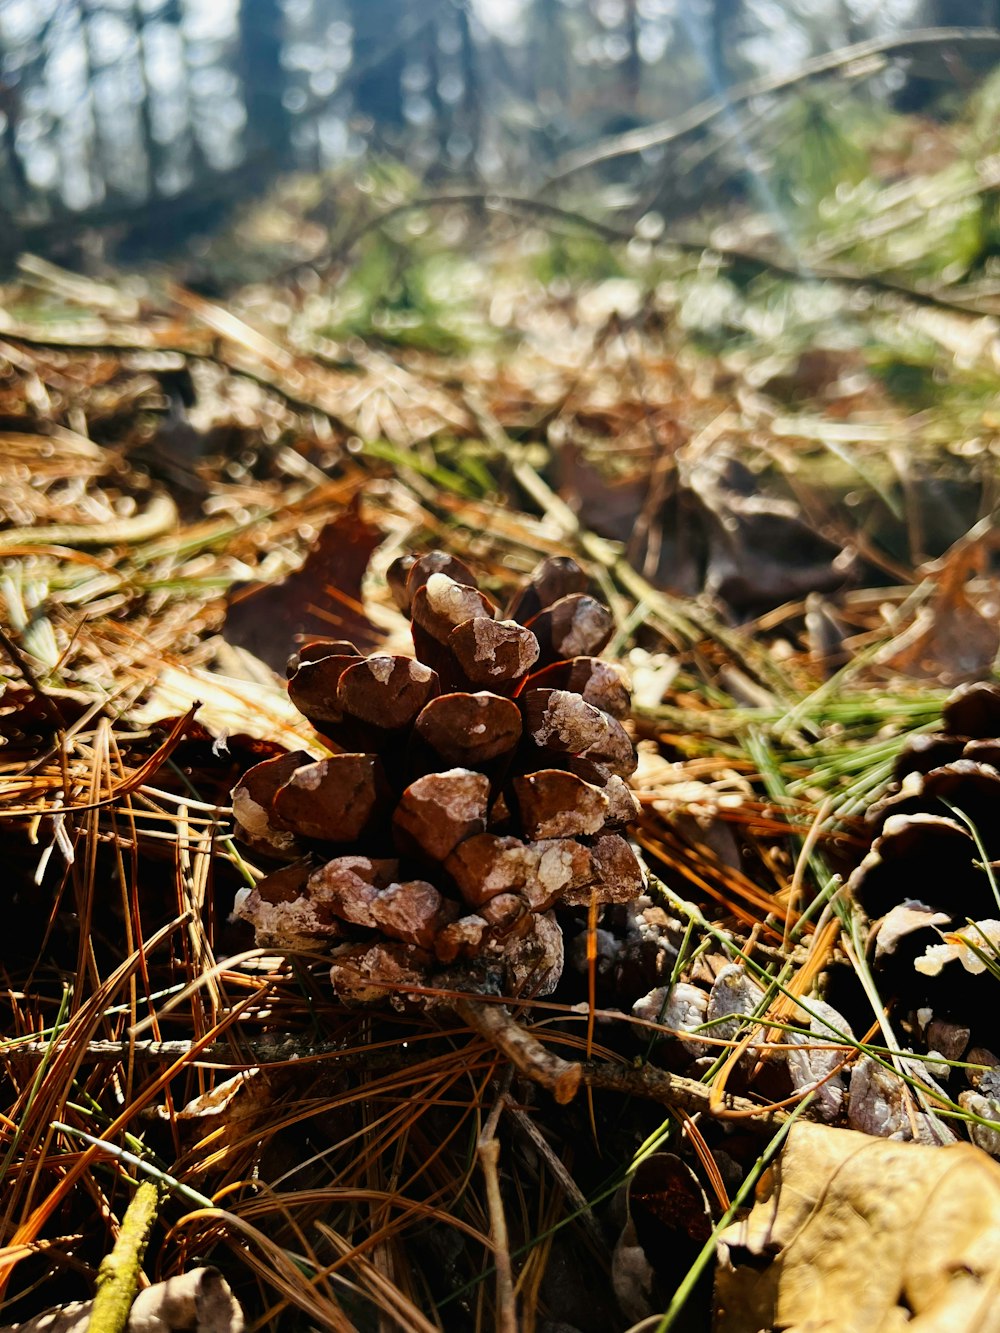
(192, 491)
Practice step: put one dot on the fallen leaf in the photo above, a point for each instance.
(706, 525)
(851, 1234)
(224, 1119)
(320, 600)
(762, 549)
(668, 1220)
(951, 639)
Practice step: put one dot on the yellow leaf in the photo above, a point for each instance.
(852, 1234)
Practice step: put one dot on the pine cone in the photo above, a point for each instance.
(471, 790)
(924, 873)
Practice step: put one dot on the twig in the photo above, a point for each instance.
(265, 1050)
(667, 131)
(489, 1157)
(574, 1195)
(658, 1085)
(945, 298)
(488, 1152)
(942, 298)
(494, 1023)
(563, 1078)
(118, 1275)
(491, 1021)
(493, 201)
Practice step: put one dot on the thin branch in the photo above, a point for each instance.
(488, 1152)
(668, 131)
(575, 1196)
(493, 1022)
(491, 201)
(564, 1078)
(158, 518)
(658, 1085)
(243, 1055)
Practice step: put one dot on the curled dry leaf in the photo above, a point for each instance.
(681, 1008)
(975, 946)
(711, 528)
(906, 919)
(227, 1114)
(951, 639)
(983, 1136)
(734, 995)
(851, 1234)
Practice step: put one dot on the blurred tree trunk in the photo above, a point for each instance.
(962, 13)
(471, 104)
(269, 125)
(380, 58)
(549, 64)
(722, 39)
(13, 167)
(632, 72)
(154, 150)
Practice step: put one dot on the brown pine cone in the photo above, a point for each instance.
(472, 789)
(925, 876)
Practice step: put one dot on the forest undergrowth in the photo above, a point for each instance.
(778, 472)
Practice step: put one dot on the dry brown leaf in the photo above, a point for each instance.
(951, 639)
(851, 1234)
(667, 1222)
(225, 1119)
(322, 599)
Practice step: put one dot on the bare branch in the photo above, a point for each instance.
(861, 53)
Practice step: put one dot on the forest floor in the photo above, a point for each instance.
(780, 479)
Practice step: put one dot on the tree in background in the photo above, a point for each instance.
(379, 59)
(269, 124)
